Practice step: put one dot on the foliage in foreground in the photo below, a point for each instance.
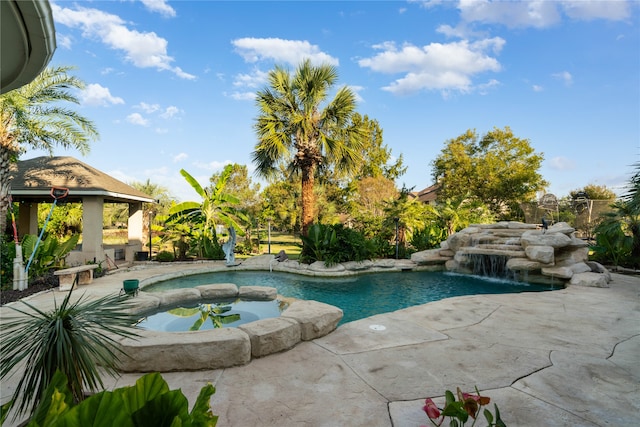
(74, 337)
(147, 403)
(459, 411)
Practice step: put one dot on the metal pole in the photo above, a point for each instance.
(397, 241)
(269, 237)
(150, 236)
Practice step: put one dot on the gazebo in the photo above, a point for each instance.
(32, 183)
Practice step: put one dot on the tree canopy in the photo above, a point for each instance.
(498, 169)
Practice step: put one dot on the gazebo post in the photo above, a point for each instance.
(92, 214)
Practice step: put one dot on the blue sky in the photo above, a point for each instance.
(170, 84)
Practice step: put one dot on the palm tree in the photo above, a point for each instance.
(293, 130)
(33, 117)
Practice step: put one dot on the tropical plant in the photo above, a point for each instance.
(459, 411)
(618, 235)
(455, 214)
(75, 337)
(296, 131)
(50, 252)
(216, 205)
(149, 402)
(7, 254)
(34, 116)
(428, 237)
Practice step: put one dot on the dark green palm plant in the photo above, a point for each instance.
(75, 337)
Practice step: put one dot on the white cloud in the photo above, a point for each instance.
(564, 76)
(242, 96)
(161, 131)
(513, 14)
(180, 157)
(97, 95)
(279, 50)
(212, 166)
(437, 66)
(148, 108)
(63, 40)
(254, 80)
(537, 88)
(540, 13)
(170, 112)
(159, 6)
(356, 91)
(144, 50)
(561, 164)
(137, 119)
(589, 10)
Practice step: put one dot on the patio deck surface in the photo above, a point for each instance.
(564, 358)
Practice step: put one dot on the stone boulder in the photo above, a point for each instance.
(218, 291)
(543, 254)
(257, 293)
(589, 279)
(199, 350)
(175, 296)
(540, 238)
(273, 335)
(316, 319)
(431, 256)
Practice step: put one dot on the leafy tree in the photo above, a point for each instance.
(367, 206)
(281, 205)
(34, 116)
(498, 170)
(377, 159)
(295, 130)
(66, 218)
(409, 214)
(594, 192)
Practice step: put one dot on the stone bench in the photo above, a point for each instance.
(67, 276)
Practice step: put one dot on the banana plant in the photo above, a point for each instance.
(216, 206)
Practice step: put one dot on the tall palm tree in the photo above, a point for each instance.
(34, 116)
(296, 131)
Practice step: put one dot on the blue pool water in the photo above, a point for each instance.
(364, 295)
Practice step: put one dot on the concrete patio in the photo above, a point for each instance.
(563, 358)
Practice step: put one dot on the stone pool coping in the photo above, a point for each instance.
(224, 347)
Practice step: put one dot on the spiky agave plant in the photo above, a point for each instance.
(75, 337)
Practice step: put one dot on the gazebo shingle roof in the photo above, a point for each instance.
(34, 178)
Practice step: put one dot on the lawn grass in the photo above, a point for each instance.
(282, 242)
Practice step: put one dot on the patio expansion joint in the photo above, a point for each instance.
(453, 328)
(613, 350)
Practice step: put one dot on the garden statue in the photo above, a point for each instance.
(229, 247)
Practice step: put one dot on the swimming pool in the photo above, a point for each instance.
(364, 295)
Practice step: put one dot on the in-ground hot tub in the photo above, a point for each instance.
(221, 347)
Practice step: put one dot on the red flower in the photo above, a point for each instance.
(431, 409)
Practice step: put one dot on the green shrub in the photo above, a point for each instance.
(335, 244)
(7, 254)
(164, 256)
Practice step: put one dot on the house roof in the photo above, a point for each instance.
(33, 180)
(427, 195)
